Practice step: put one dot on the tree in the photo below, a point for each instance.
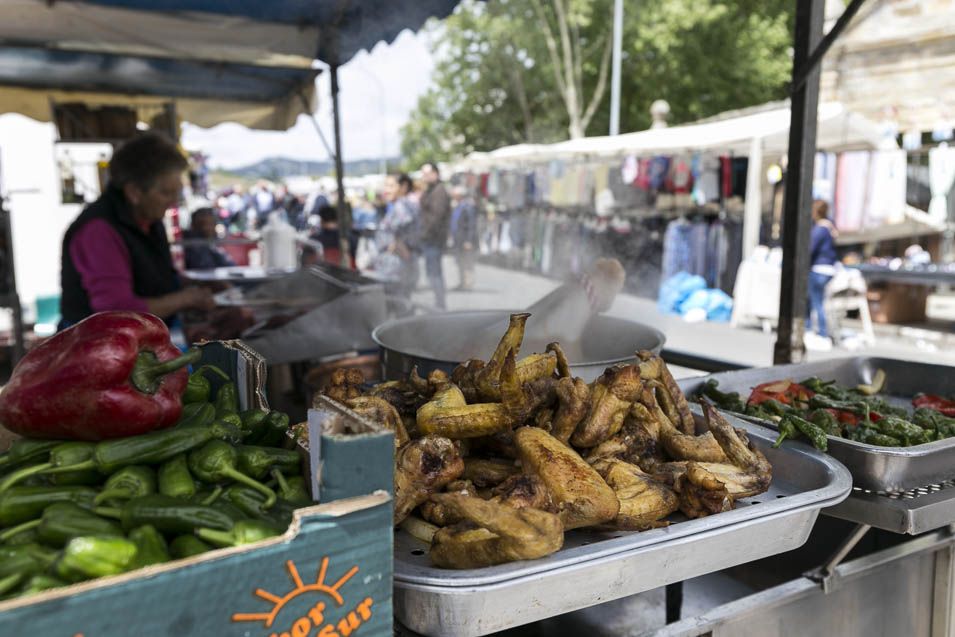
(513, 71)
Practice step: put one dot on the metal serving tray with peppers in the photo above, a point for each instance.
(887, 420)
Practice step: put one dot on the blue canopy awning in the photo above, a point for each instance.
(221, 60)
(357, 24)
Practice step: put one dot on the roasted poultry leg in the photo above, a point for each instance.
(422, 467)
(643, 500)
(493, 533)
(579, 493)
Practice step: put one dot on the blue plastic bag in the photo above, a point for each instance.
(675, 290)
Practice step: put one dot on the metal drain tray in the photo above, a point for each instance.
(596, 567)
(911, 512)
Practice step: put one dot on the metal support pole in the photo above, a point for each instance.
(10, 297)
(674, 601)
(797, 217)
(344, 225)
(615, 68)
(819, 51)
(826, 574)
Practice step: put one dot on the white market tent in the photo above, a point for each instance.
(750, 132)
(732, 132)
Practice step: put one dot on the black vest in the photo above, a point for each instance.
(153, 272)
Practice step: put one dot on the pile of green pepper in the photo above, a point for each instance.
(830, 410)
(73, 511)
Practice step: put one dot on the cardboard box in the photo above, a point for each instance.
(898, 303)
(333, 565)
(329, 574)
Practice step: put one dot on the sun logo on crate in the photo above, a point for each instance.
(314, 621)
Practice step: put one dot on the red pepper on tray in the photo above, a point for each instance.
(939, 404)
(785, 391)
(111, 375)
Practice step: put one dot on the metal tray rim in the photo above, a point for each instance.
(838, 487)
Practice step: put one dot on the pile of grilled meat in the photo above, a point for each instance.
(505, 455)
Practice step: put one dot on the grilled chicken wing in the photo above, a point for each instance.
(677, 444)
(522, 491)
(637, 442)
(486, 472)
(580, 494)
(563, 367)
(611, 397)
(448, 414)
(493, 533)
(437, 513)
(677, 409)
(380, 411)
(573, 396)
(643, 500)
(422, 467)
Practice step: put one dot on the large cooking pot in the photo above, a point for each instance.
(412, 341)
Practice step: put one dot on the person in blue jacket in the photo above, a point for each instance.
(822, 259)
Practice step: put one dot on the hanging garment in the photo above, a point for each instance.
(708, 184)
(642, 180)
(941, 171)
(886, 200)
(740, 166)
(680, 177)
(659, 167)
(630, 169)
(726, 177)
(851, 182)
(698, 246)
(677, 249)
(824, 177)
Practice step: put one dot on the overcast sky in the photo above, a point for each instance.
(378, 91)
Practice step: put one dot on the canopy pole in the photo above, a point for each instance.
(753, 205)
(797, 216)
(615, 72)
(343, 222)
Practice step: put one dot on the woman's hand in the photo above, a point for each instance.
(197, 298)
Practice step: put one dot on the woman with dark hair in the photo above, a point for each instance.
(822, 259)
(115, 254)
(396, 236)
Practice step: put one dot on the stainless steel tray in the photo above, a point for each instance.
(872, 467)
(910, 512)
(596, 567)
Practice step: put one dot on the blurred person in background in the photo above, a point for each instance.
(329, 236)
(115, 254)
(201, 252)
(435, 218)
(395, 238)
(464, 235)
(822, 260)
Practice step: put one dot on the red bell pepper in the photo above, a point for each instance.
(939, 404)
(111, 375)
(785, 391)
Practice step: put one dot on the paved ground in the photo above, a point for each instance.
(498, 288)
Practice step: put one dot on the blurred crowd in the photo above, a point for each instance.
(390, 228)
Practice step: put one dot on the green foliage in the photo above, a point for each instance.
(495, 81)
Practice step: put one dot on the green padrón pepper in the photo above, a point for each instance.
(292, 489)
(21, 504)
(95, 556)
(169, 515)
(25, 450)
(175, 479)
(244, 532)
(272, 431)
(811, 431)
(65, 459)
(257, 462)
(150, 546)
(198, 388)
(40, 583)
(216, 463)
(184, 546)
(227, 400)
(128, 483)
(63, 521)
(197, 415)
(786, 430)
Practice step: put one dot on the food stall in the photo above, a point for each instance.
(520, 491)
